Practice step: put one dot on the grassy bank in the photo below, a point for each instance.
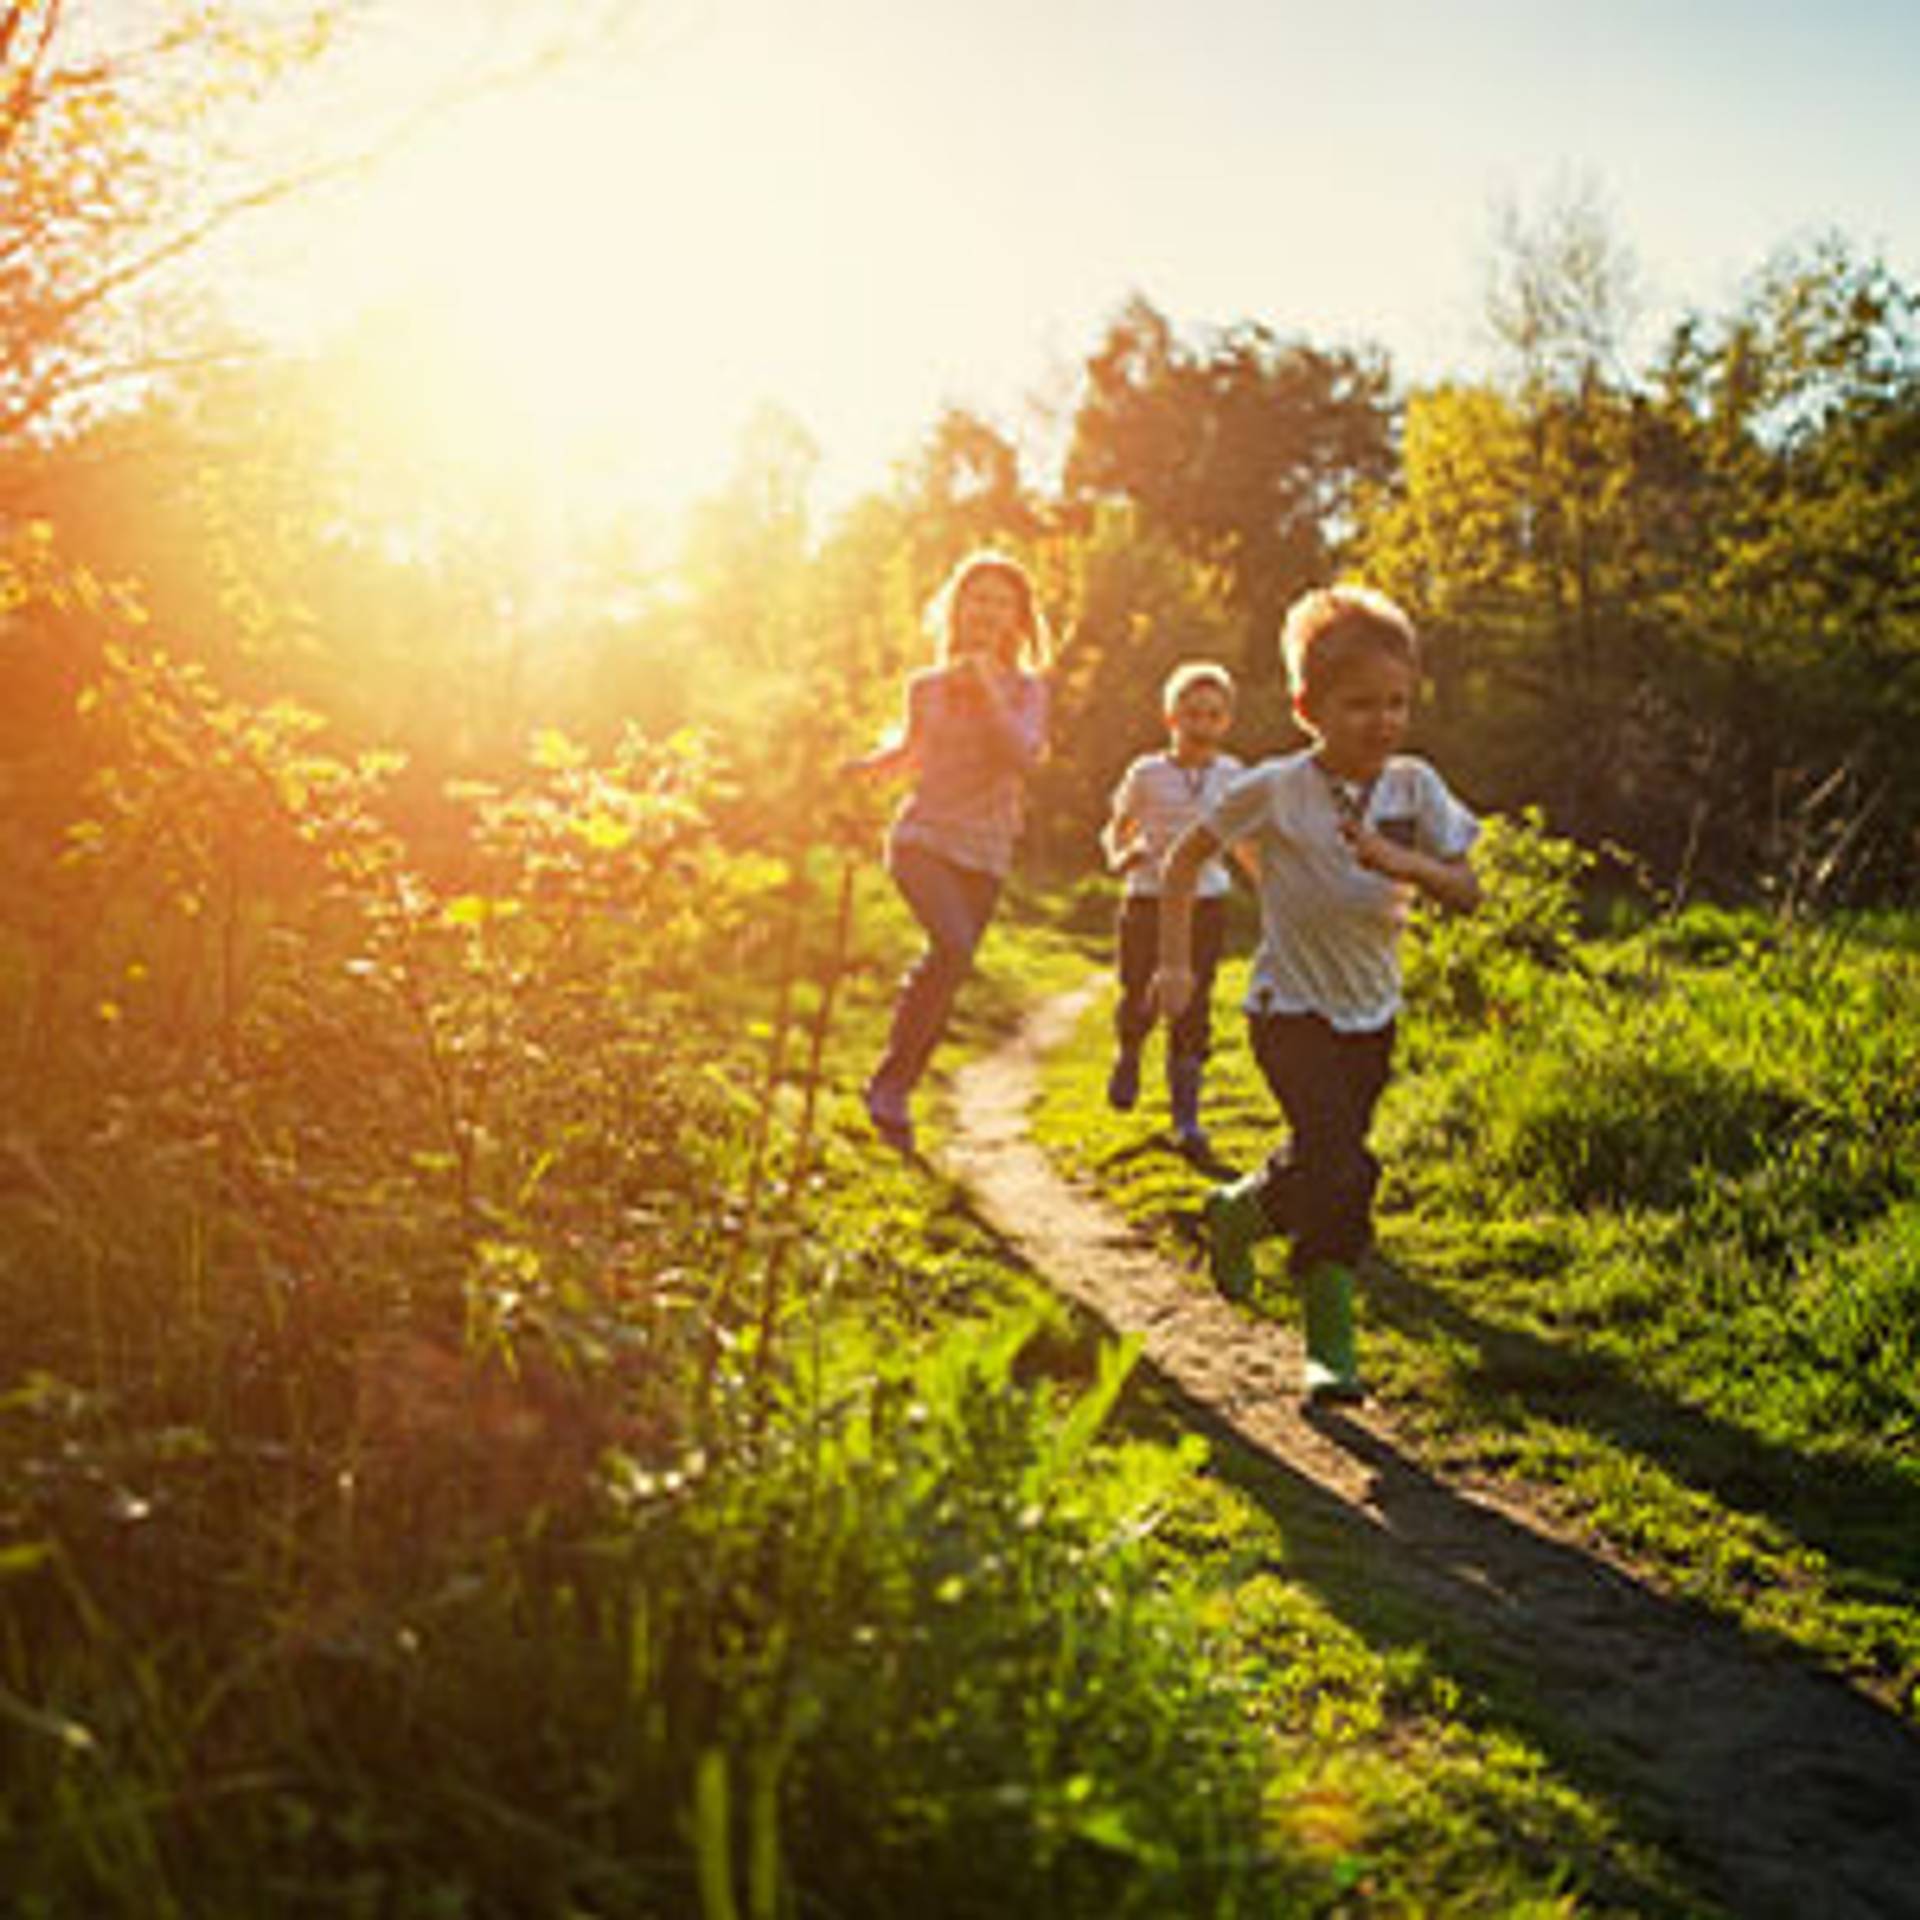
(636, 1495)
(1649, 1239)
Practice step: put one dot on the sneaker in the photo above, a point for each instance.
(1123, 1083)
(890, 1119)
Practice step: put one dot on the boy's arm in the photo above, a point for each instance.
(1120, 837)
(1120, 840)
(1173, 982)
(1451, 882)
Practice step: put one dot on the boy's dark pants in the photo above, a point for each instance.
(1319, 1187)
(1139, 940)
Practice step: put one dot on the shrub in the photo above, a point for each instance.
(1475, 967)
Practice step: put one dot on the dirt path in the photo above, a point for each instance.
(1787, 1792)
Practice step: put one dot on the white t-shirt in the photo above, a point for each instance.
(1163, 799)
(1329, 928)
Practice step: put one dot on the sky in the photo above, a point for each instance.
(865, 211)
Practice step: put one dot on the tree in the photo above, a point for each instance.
(747, 546)
(130, 142)
(963, 489)
(1668, 604)
(1562, 294)
(1245, 450)
(1538, 530)
(1804, 409)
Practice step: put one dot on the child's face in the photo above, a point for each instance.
(1362, 716)
(988, 617)
(1200, 717)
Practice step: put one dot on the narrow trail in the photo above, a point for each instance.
(1787, 1793)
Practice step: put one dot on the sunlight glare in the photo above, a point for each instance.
(584, 285)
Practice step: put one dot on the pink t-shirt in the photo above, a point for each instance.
(968, 798)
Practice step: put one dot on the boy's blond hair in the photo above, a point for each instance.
(1195, 673)
(1328, 628)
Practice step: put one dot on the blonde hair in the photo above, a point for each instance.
(1328, 628)
(1195, 673)
(1036, 640)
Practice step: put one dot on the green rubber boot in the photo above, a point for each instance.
(1333, 1374)
(1235, 1222)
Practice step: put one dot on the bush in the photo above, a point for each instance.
(1474, 968)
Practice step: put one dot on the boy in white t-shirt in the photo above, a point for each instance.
(1159, 796)
(1346, 831)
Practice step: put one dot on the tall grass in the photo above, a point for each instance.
(1647, 1233)
(478, 1440)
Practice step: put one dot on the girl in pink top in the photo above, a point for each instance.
(975, 727)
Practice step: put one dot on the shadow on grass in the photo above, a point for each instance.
(1776, 1788)
(1161, 1145)
(1864, 1518)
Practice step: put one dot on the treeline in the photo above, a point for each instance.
(1672, 603)
(1673, 599)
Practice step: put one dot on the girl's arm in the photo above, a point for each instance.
(1020, 726)
(895, 755)
(1173, 983)
(892, 756)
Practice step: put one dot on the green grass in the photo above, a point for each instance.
(753, 1539)
(1650, 1239)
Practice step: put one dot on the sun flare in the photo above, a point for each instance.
(563, 285)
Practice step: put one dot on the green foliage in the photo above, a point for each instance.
(1143, 607)
(1669, 606)
(1718, 1130)
(958, 1658)
(1713, 1060)
(1646, 1230)
(1242, 449)
(1477, 967)
(1591, 1115)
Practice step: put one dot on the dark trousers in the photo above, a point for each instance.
(1139, 948)
(1319, 1187)
(953, 905)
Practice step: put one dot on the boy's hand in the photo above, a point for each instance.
(1170, 990)
(1377, 853)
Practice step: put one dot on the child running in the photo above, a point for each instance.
(1346, 831)
(975, 728)
(1159, 796)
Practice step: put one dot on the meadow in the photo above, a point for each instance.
(483, 1430)
(1649, 1237)
(490, 1435)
